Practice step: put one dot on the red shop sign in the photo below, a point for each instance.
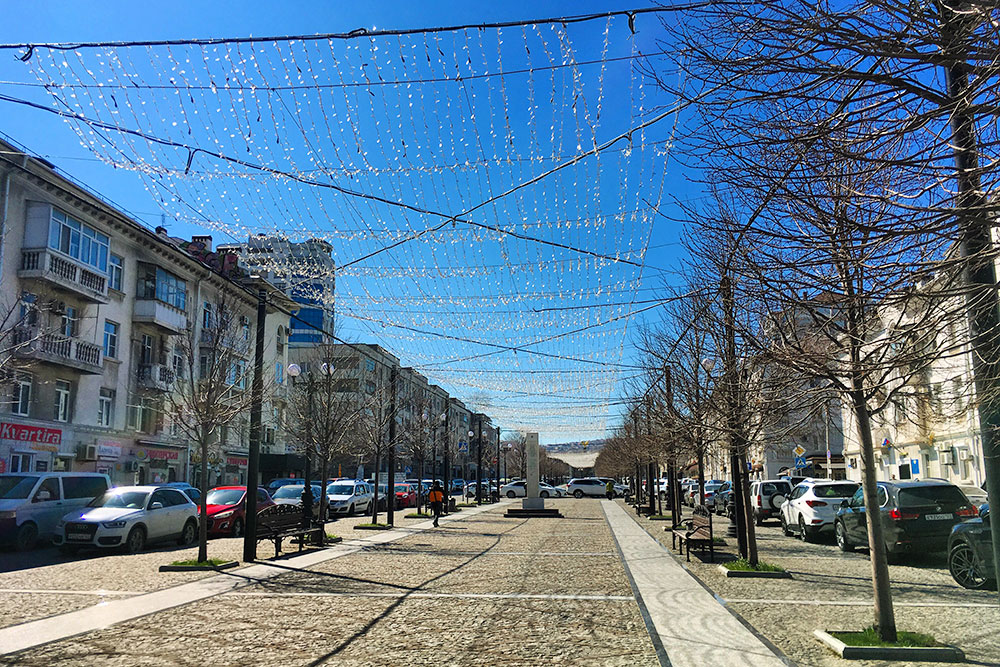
(22, 433)
(236, 461)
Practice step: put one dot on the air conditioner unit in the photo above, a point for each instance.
(130, 466)
(964, 454)
(948, 457)
(87, 452)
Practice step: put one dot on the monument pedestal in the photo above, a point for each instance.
(533, 508)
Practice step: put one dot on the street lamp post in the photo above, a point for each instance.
(295, 371)
(472, 434)
(498, 463)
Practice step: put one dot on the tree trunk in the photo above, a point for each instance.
(420, 484)
(701, 474)
(323, 501)
(378, 462)
(885, 619)
(748, 521)
(203, 502)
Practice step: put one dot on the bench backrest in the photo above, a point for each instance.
(701, 518)
(279, 517)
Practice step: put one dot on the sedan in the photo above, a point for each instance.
(226, 509)
(130, 517)
(294, 494)
(519, 489)
(406, 495)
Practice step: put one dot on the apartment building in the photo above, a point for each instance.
(97, 304)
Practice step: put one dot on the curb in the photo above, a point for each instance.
(199, 568)
(914, 653)
(361, 527)
(746, 574)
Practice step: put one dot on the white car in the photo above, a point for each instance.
(519, 489)
(586, 486)
(348, 496)
(130, 517)
(812, 507)
(31, 504)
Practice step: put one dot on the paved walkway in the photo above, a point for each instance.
(54, 628)
(687, 621)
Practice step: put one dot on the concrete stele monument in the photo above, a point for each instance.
(532, 501)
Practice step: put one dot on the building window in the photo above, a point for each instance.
(370, 365)
(178, 362)
(22, 395)
(279, 372)
(163, 286)
(70, 317)
(146, 350)
(28, 313)
(110, 339)
(20, 463)
(105, 407)
(141, 414)
(206, 315)
(81, 242)
(63, 389)
(116, 268)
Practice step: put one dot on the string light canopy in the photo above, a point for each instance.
(488, 192)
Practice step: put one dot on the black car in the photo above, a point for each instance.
(970, 552)
(917, 516)
(723, 498)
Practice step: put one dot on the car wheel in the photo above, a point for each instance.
(351, 510)
(966, 568)
(511, 494)
(544, 494)
(136, 540)
(578, 494)
(237, 527)
(758, 519)
(69, 549)
(784, 527)
(189, 534)
(803, 533)
(27, 537)
(841, 534)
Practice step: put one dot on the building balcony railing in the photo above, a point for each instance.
(158, 377)
(153, 311)
(32, 343)
(64, 273)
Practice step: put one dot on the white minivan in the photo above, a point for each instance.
(31, 503)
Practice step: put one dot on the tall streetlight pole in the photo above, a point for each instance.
(479, 461)
(498, 463)
(295, 371)
(256, 407)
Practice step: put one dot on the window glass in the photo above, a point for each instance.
(50, 484)
(22, 395)
(834, 490)
(883, 496)
(175, 498)
(945, 496)
(116, 268)
(79, 241)
(858, 499)
(159, 497)
(105, 407)
(61, 407)
(262, 496)
(84, 487)
(110, 339)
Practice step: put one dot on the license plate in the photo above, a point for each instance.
(77, 536)
(938, 517)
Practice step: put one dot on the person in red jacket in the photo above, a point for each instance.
(436, 499)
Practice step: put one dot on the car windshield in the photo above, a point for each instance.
(16, 486)
(133, 500)
(770, 488)
(289, 492)
(340, 490)
(914, 496)
(834, 490)
(402, 488)
(224, 496)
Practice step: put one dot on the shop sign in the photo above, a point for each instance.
(43, 439)
(108, 450)
(236, 460)
(164, 454)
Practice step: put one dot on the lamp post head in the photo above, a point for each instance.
(472, 433)
(708, 364)
(326, 369)
(293, 370)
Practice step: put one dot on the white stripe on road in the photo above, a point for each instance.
(859, 603)
(464, 596)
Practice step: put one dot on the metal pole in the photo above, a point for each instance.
(498, 463)
(479, 461)
(253, 463)
(447, 459)
(307, 497)
(391, 485)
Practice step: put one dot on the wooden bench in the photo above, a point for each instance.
(697, 531)
(277, 522)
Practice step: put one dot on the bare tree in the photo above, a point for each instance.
(376, 437)
(212, 388)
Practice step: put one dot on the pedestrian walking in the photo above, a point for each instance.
(609, 489)
(436, 499)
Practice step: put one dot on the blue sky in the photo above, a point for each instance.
(462, 282)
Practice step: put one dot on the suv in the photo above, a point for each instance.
(970, 552)
(917, 515)
(812, 507)
(586, 486)
(32, 503)
(766, 498)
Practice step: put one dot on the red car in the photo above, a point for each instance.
(406, 495)
(227, 511)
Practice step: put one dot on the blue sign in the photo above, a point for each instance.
(800, 462)
(914, 466)
(407, 471)
(463, 447)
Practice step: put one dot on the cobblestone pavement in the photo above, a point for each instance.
(96, 576)
(833, 590)
(484, 590)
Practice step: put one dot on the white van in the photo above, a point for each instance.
(31, 503)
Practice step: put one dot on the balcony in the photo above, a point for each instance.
(52, 348)
(167, 318)
(64, 273)
(157, 377)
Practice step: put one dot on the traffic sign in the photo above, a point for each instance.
(800, 462)
(463, 447)
(799, 451)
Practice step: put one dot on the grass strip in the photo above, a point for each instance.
(743, 565)
(371, 526)
(869, 637)
(210, 563)
(418, 515)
